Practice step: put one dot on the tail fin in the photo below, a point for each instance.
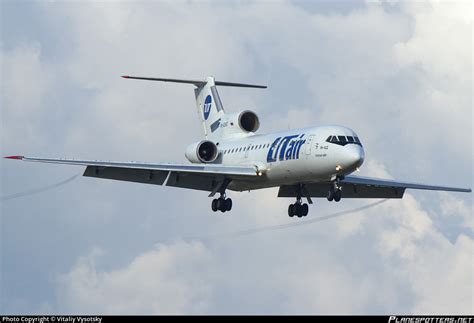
(209, 105)
(210, 109)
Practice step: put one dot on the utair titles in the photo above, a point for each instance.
(285, 148)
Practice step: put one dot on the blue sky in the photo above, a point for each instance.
(399, 74)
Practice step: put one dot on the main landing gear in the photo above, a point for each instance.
(299, 208)
(335, 192)
(221, 204)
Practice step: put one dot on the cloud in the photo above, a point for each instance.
(25, 84)
(388, 264)
(452, 206)
(163, 280)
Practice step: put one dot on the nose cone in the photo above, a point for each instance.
(353, 157)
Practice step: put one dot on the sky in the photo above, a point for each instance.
(398, 73)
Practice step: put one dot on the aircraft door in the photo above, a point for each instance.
(309, 145)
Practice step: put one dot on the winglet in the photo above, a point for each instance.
(15, 157)
(125, 76)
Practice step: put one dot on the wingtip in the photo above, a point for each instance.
(14, 157)
(125, 76)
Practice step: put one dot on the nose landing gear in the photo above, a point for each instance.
(335, 192)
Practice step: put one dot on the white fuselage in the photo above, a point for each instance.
(293, 156)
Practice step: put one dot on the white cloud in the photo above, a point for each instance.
(24, 79)
(440, 62)
(452, 206)
(164, 280)
(450, 266)
(397, 261)
(25, 83)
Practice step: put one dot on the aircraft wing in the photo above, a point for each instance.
(199, 177)
(365, 187)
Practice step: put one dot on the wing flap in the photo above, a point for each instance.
(348, 191)
(127, 174)
(200, 182)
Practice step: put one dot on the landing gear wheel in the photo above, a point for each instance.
(304, 209)
(299, 210)
(214, 205)
(330, 196)
(228, 204)
(221, 205)
(291, 210)
(337, 195)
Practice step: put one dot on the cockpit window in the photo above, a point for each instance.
(344, 140)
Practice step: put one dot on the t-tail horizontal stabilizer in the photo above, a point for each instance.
(195, 82)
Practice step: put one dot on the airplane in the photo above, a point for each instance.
(314, 162)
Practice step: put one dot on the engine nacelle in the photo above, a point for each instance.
(202, 152)
(248, 121)
(239, 124)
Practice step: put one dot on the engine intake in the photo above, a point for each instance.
(202, 152)
(248, 121)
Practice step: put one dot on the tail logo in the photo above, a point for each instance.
(207, 106)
